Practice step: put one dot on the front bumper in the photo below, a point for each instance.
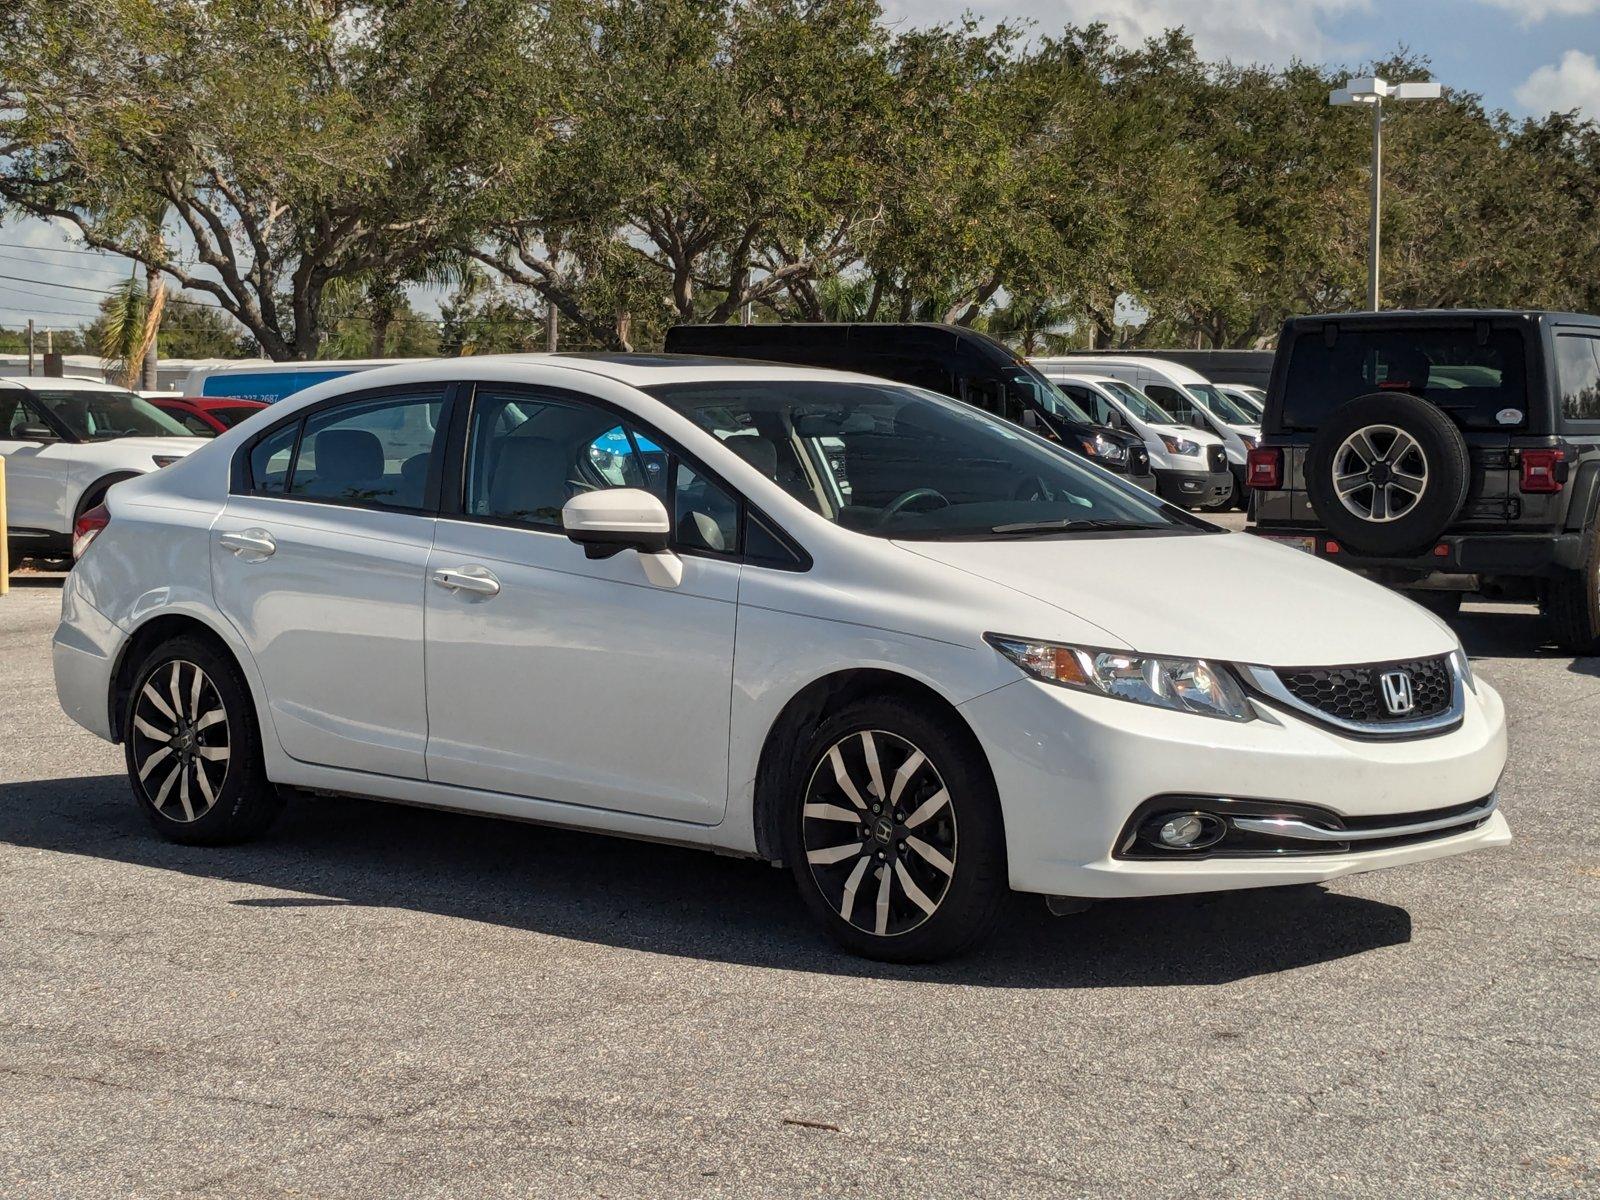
(1465, 556)
(1072, 770)
(1190, 488)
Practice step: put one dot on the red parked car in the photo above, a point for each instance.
(207, 416)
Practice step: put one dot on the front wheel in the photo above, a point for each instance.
(895, 836)
(193, 749)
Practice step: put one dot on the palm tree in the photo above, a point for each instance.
(1034, 326)
(129, 324)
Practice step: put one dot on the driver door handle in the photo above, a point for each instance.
(256, 542)
(479, 580)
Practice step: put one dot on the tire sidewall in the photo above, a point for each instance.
(1449, 473)
(967, 909)
(236, 810)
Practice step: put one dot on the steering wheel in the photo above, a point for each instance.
(1033, 487)
(894, 507)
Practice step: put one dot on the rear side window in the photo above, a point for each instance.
(1578, 367)
(374, 452)
(1482, 384)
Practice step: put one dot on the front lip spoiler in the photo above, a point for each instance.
(1291, 827)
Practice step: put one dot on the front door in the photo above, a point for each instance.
(554, 676)
(319, 562)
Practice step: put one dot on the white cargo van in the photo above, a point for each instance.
(1183, 392)
(1190, 465)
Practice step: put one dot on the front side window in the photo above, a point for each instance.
(1138, 403)
(528, 454)
(195, 425)
(892, 461)
(1578, 367)
(1174, 401)
(96, 416)
(373, 452)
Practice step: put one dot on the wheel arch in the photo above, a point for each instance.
(96, 491)
(163, 627)
(813, 704)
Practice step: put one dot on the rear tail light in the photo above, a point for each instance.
(1543, 470)
(1264, 468)
(87, 528)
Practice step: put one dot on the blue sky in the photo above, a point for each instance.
(1525, 56)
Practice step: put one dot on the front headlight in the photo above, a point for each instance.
(1101, 446)
(1176, 445)
(1250, 443)
(1189, 685)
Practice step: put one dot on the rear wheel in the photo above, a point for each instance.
(192, 747)
(895, 836)
(1572, 601)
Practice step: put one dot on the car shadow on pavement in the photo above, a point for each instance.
(685, 902)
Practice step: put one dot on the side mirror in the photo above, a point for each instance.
(1114, 419)
(1198, 421)
(35, 433)
(607, 522)
(1030, 419)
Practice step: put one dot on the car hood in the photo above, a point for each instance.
(1232, 597)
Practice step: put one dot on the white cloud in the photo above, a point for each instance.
(1574, 82)
(1532, 11)
(1270, 31)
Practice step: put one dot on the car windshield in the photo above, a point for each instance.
(1138, 403)
(232, 416)
(98, 416)
(1480, 381)
(895, 461)
(1047, 395)
(1220, 406)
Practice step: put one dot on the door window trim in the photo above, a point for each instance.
(242, 481)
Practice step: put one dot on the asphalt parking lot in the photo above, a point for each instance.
(380, 1001)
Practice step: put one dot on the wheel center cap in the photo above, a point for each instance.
(883, 830)
(1379, 473)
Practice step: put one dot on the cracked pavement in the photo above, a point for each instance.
(381, 1001)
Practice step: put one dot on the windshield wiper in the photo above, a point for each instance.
(1070, 523)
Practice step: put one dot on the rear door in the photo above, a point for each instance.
(319, 561)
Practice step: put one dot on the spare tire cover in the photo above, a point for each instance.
(1387, 473)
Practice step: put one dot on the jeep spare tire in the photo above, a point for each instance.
(1387, 473)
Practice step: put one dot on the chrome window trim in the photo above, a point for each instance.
(1293, 827)
(1265, 681)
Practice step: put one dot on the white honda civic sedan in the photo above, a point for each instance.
(917, 653)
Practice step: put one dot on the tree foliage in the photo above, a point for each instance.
(631, 164)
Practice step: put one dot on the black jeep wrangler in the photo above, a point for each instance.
(1441, 453)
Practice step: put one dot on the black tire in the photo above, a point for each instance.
(193, 802)
(1572, 601)
(968, 897)
(1421, 518)
(1440, 604)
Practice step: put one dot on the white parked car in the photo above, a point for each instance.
(1190, 465)
(630, 595)
(1183, 392)
(65, 442)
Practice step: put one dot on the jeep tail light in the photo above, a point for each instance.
(1543, 470)
(1264, 467)
(87, 528)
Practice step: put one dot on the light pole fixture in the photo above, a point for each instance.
(1369, 89)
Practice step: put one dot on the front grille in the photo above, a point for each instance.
(1216, 458)
(1356, 693)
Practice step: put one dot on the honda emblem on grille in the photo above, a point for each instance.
(1397, 697)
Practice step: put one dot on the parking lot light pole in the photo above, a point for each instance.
(1371, 90)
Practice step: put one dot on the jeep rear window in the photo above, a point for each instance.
(1478, 384)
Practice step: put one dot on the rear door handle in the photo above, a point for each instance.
(479, 580)
(254, 542)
